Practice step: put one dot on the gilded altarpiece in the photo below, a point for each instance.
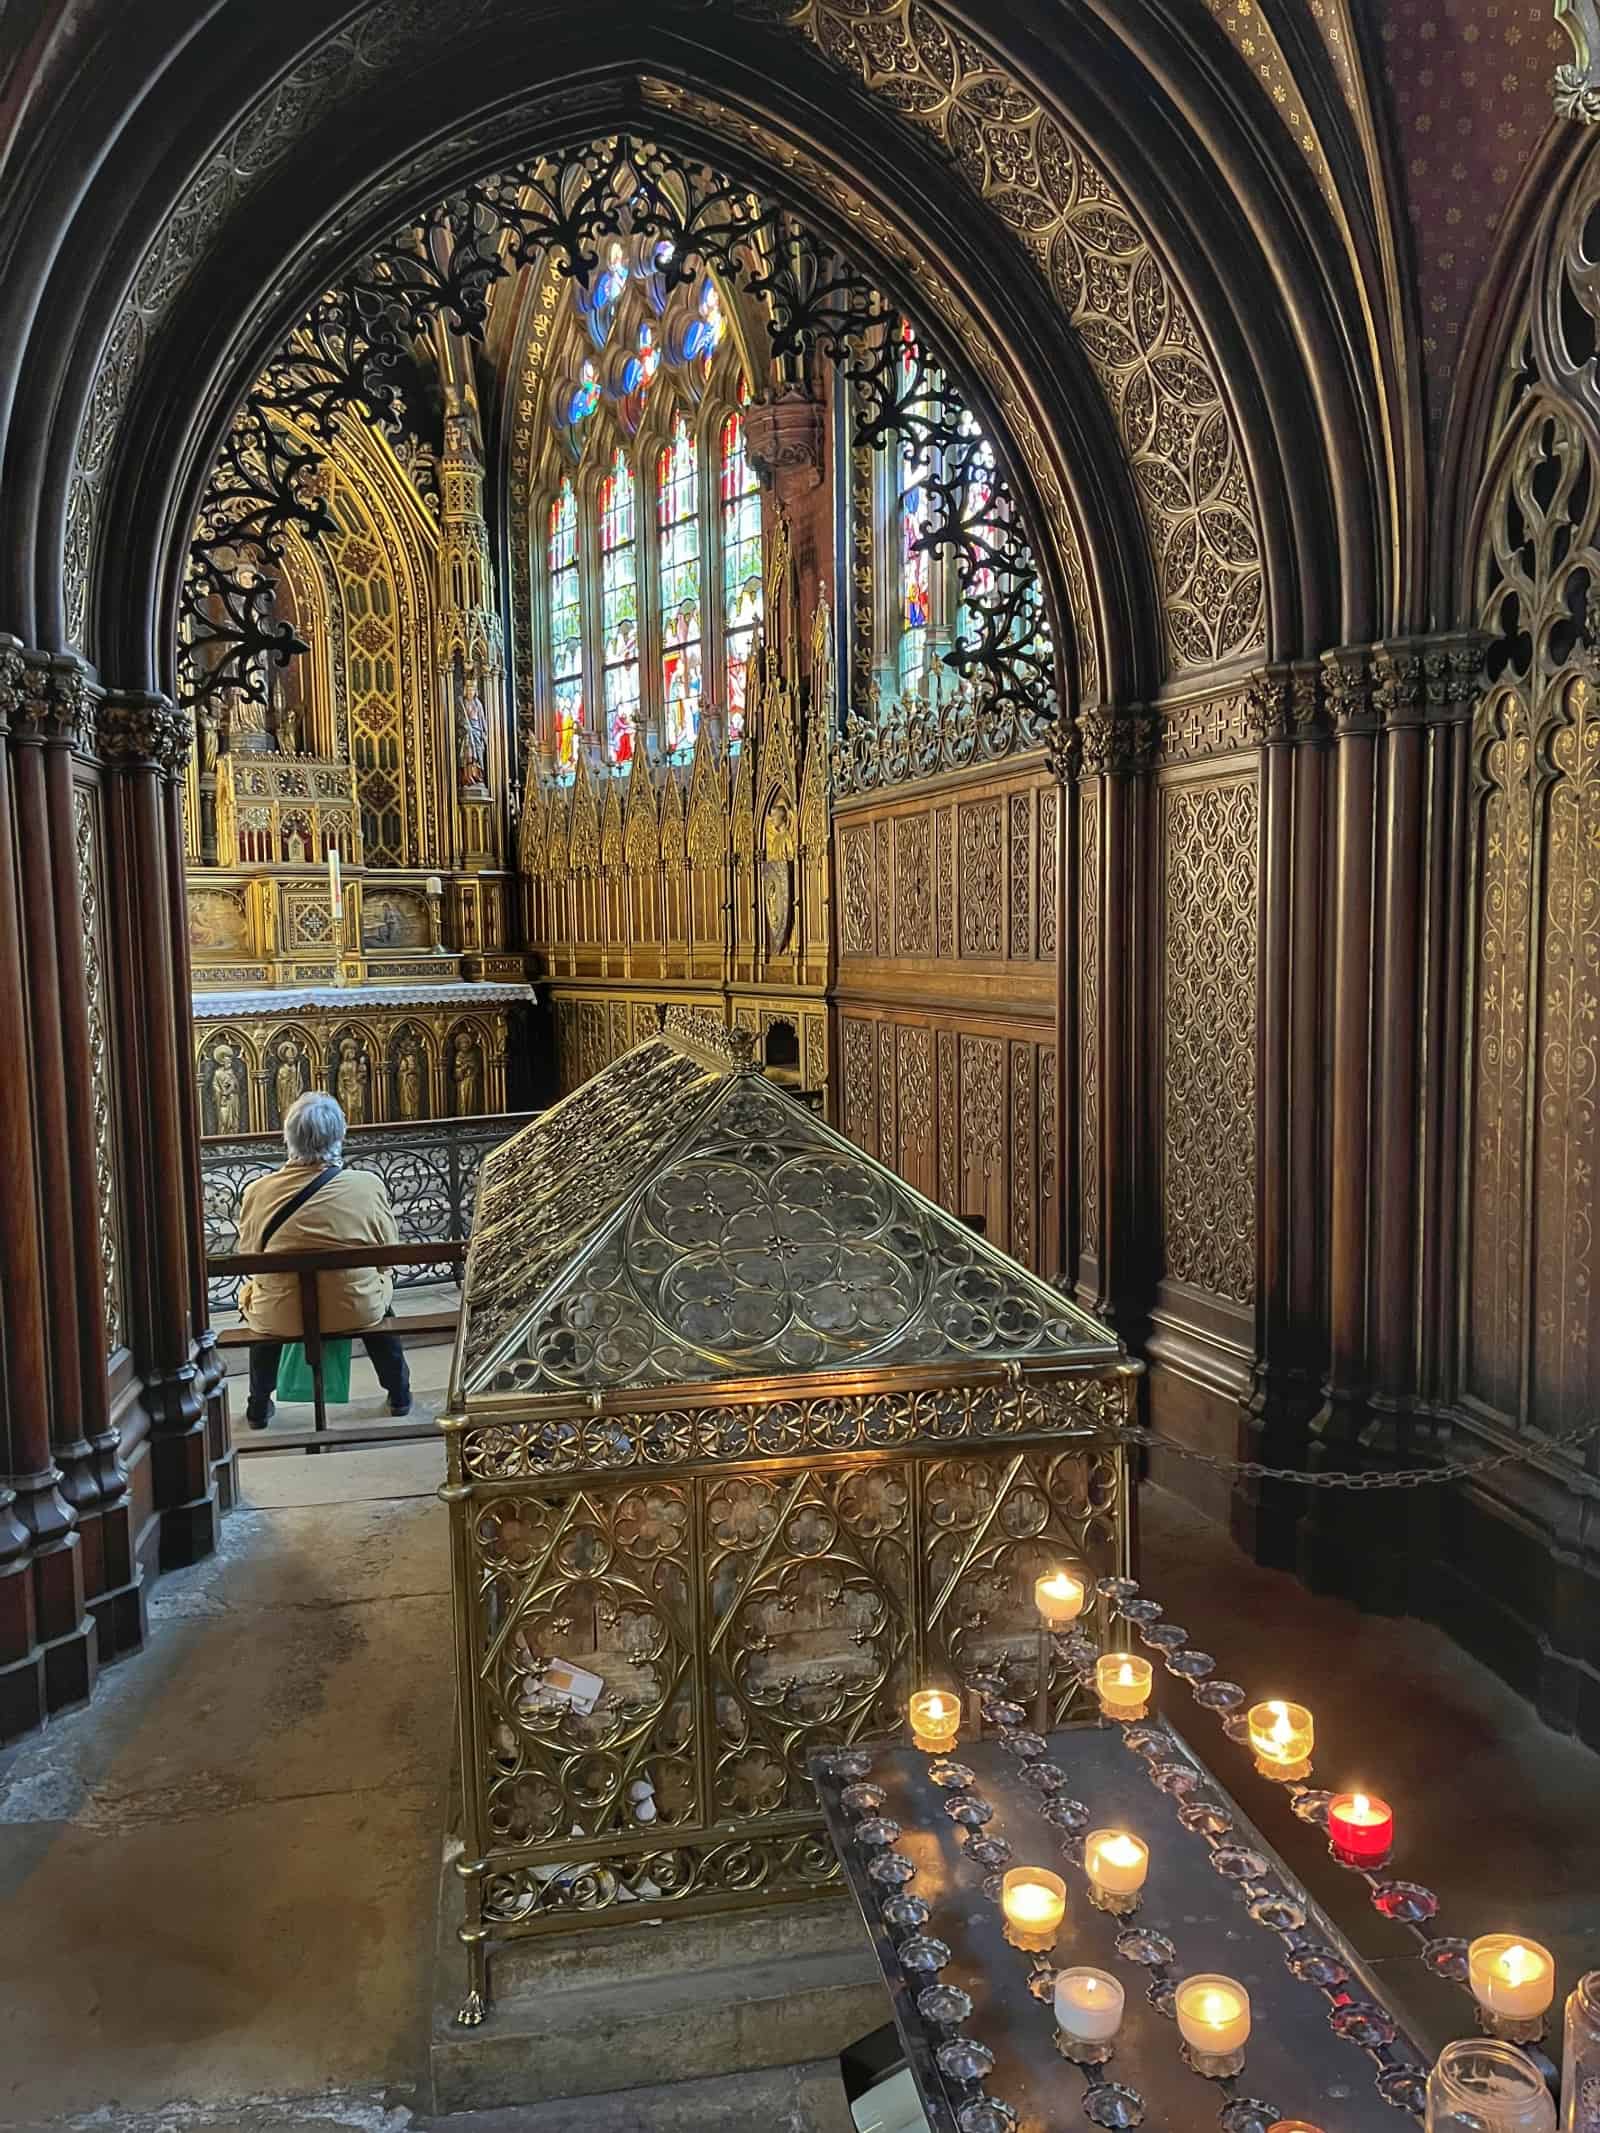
(703, 885)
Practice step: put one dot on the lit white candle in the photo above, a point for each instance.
(1034, 1902)
(935, 1720)
(1059, 1598)
(335, 889)
(1088, 2005)
(1122, 1683)
(1115, 1861)
(1511, 1977)
(1214, 2016)
(1281, 1734)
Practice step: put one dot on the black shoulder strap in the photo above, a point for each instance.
(293, 1207)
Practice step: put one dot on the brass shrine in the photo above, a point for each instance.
(744, 1426)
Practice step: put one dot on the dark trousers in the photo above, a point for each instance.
(384, 1352)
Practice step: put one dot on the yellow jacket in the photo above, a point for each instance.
(352, 1208)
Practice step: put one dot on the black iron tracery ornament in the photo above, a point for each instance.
(347, 351)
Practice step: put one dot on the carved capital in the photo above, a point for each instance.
(1284, 704)
(1347, 690)
(139, 731)
(784, 440)
(1117, 743)
(44, 699)
(1427, 681)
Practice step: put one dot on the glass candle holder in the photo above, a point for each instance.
(1059, 1598)
(1116, 1864)
(1088, 2006)
(1122, 1682)
(935, 1720)
(1484, 2086)
(1360, 1828)
(1034, 1902)
(1513, 1981)
(1281, 1735)
(1580, 2058)
(1214, 2017)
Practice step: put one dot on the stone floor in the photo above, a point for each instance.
(217, 1885)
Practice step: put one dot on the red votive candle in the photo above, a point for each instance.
(1360, 1828)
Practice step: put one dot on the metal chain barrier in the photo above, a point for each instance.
(1405, 1477)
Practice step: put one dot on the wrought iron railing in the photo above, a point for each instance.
(429, 1170)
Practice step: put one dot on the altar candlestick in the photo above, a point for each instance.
(335, 887)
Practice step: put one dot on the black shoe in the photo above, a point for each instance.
(261, 1421)
(400, 1407)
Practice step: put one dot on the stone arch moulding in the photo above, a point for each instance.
(1167, 380)
(1037, 463)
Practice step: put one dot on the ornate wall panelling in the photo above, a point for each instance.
(946, 994)
(1528, 1325)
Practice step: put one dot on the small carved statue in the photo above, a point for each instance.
(408, 1079)
(225, 1090)
(472, 740)
(350, 1083)
(468, 1073)
(290, 1080)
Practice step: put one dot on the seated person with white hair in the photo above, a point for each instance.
(314, 1204)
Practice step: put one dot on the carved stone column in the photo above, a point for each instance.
(1113, 844)
(1285, 717)
(143, 741)
(47, 1642)
(1398, 712)
(60, 725)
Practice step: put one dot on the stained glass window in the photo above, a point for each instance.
(978, 510)
(916, 587)
(566, 626)
(741, 564)
(678, 516)
(619, 609)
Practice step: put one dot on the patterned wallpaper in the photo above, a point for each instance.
(1470, 84)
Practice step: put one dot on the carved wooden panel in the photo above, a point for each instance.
(858, 1045)
(858, 925)
(1049, 1164)
(982, 836)
(1049, 831)
(949, 1122)
(914, 1105)
(1210, 874)
(1019, 873)
(1024, 1151)
(913, 885)
(886, 1091)
(945, 900)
